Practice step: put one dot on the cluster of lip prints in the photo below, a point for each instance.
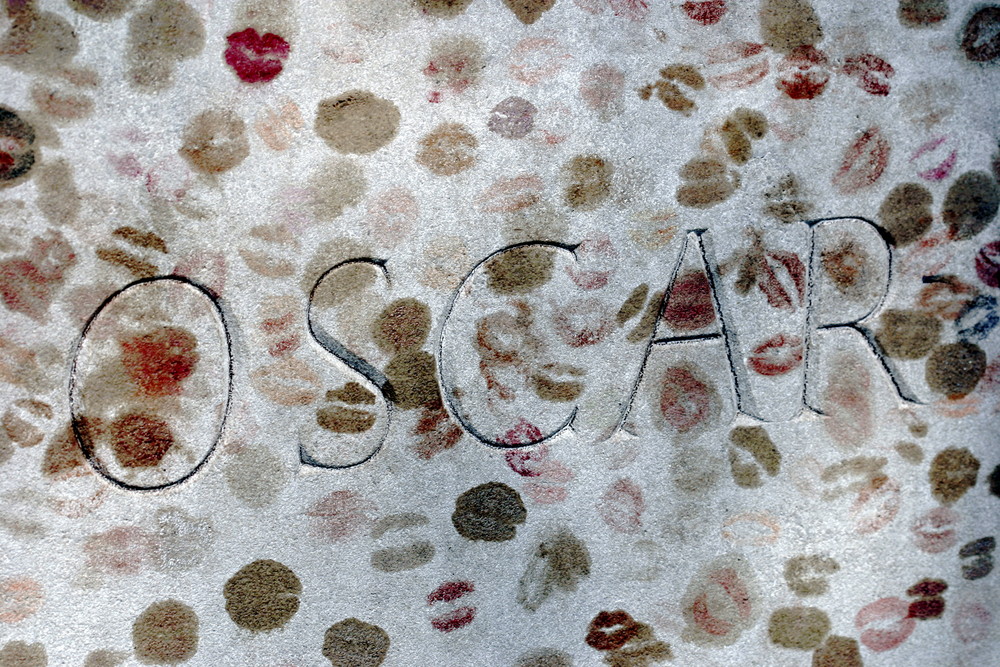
(720, 602)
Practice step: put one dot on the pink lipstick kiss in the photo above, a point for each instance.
(943, 168)
(737, 65)
(933, 531)
(892, 615)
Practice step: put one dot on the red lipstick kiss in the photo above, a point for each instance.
(256, 58)
(777, 355)
(804, 75)
(689, 306)
(707, 12)
(449, 592)
(549, 474)
(872, 73)
(685, 401)
(611, 630)
(583, 322)
(782, 279)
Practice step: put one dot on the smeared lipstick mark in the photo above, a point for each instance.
(735, 53)
(601, 87)
(864, 162)
(544, 494)
(340, 515)
(523, 433)
(600, 251)
(872, 517)
(729, 580)
(779, 274)
(547, 473)
(773, 287)
(927, 588)
(511, 194)
(758, 529)
(583, 322)
(634, 10)
(926, 609)
(526, 463)
(537, 59)
(988, 264)
(537, 464)
(685, 401)
(127, 165)
(971, 622)
(159, 361)
(622, 506)
(928, 146)
(689, 306)
(588, 279)
(718, 605)
(777, 355)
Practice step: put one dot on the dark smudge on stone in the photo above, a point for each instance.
(559, 563)
(489, 512)
(262, 596)
(354, 643)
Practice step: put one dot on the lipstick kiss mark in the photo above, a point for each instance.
(256, 58)
(932, 531)
(449, 592)
(777, 355)
(885, 610)
(735, 53)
